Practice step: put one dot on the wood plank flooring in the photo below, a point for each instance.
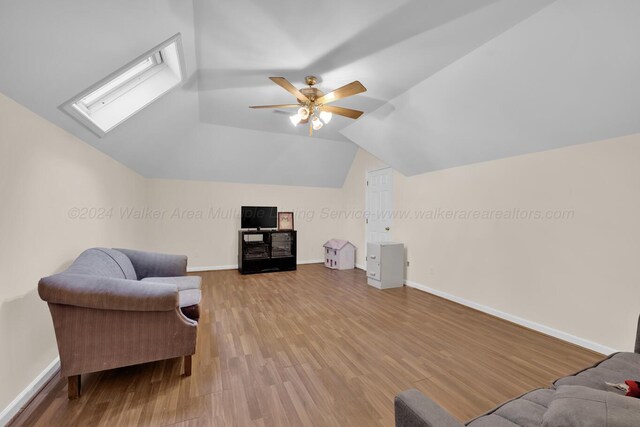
(319, 347)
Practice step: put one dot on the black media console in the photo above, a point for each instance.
(264, 251)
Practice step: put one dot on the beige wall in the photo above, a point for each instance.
(45, 172)
(201, 219)
(578, 275)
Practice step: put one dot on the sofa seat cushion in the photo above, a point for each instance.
(182, 282)
(616, 369)
(189, 297)
(188, 288)
(524, 411)
(587, 407)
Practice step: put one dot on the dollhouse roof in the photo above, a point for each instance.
(337, 244)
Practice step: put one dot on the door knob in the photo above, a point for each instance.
(386, 228)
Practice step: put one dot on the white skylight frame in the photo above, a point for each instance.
(122, 94)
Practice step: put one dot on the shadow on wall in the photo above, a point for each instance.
(62, 268)
(26, 332)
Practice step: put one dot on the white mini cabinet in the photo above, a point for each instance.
(385, 265)
(339, 254)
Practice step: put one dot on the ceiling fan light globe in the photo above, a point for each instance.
(295, 119)
(316, 123)
(326, 116)
(303, 112)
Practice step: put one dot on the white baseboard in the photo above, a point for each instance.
(361, 267)
(212, 268)
(234, 267)
(518, 320)
(29, 392)
(311, 261)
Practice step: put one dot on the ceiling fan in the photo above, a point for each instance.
(312, 102)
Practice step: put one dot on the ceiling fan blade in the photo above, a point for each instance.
(286, 85)
(341, 111)
(276, 106)
(351, 89)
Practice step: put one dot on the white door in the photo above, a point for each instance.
(379, 205)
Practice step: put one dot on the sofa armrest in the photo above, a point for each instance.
(414, 409)
(107, 293)
(152, 264)
(637, 347)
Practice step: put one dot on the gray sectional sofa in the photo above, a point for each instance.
(120, 307)
(582, 399)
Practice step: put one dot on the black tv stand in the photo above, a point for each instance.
(264, 251)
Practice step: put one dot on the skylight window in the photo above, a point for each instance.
(119, 96)
(135, 73)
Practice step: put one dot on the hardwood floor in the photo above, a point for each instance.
(319, 347)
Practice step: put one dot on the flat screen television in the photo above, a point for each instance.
(259, 217)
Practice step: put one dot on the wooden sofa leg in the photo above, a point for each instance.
(187, 366)
(74, 387)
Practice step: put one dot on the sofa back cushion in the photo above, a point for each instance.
(103, 262)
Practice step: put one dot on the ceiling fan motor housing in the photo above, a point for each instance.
(312, 93)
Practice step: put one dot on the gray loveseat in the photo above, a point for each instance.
(119, 307)
(582, 399)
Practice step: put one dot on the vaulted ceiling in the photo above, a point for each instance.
(450, 82)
